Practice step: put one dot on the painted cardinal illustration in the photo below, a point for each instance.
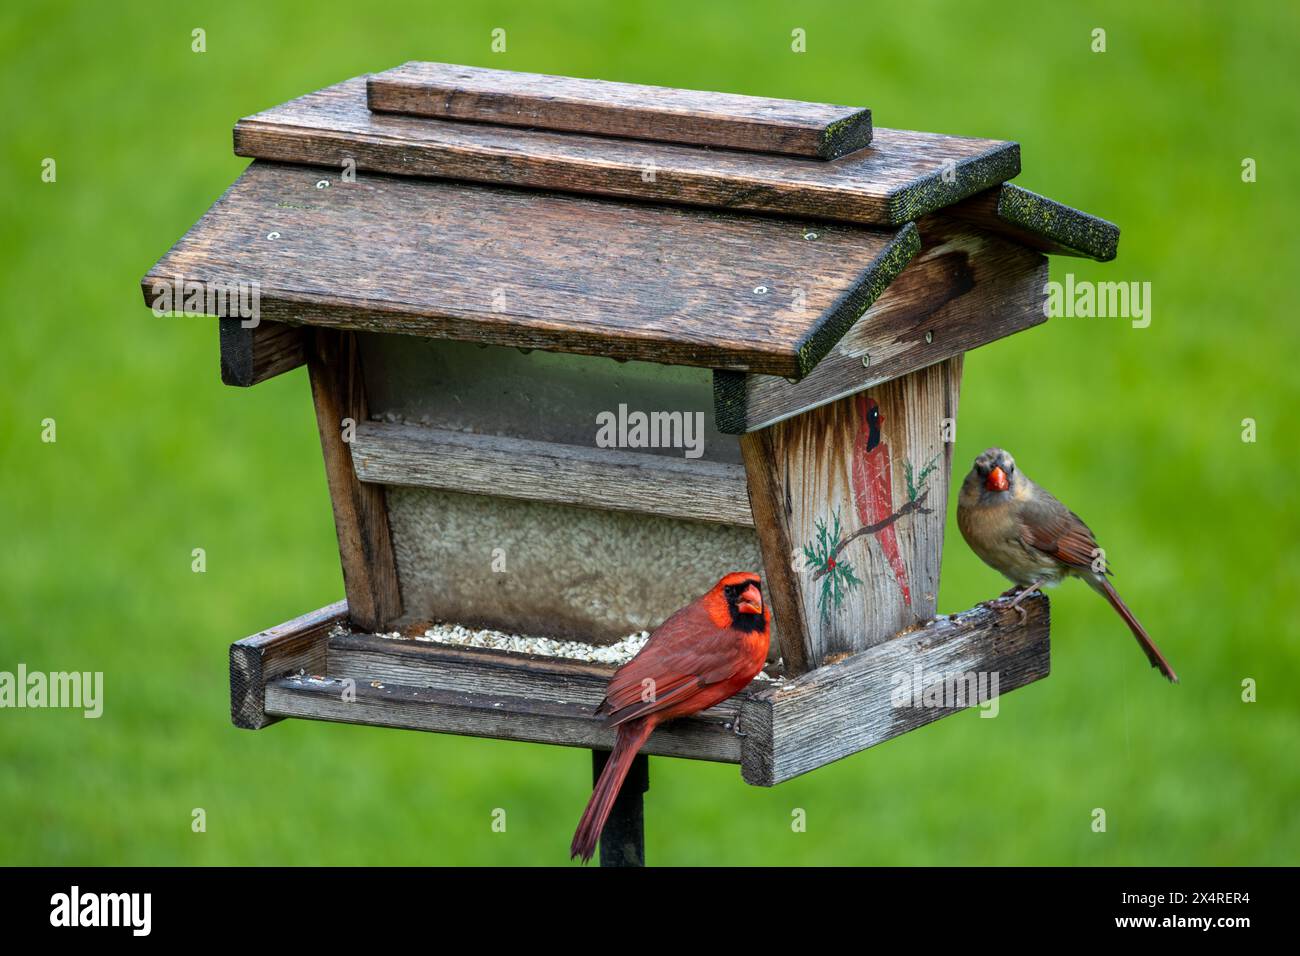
(700, 656)
(873, 486)
(1019, 529)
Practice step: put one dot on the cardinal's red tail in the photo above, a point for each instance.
(630, 738)
(1153, 653)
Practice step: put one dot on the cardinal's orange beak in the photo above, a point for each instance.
(751, 601)
(997, 480)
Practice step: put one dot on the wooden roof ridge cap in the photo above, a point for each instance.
(720, 178)
(277, 115)
(620, 108)
(1039, 222)
(628, 84)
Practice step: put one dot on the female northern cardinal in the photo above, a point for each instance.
(1019, 529)
(700, 656)
(873, 486)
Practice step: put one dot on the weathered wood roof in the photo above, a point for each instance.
(539, 270)
(593, 244)
(900, 176)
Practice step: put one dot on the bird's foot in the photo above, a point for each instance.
(992, 603)
(1024, 593)
(735, 727)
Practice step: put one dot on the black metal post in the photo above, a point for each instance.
(622, 842)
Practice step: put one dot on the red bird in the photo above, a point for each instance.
(700, 656)
(873, 486)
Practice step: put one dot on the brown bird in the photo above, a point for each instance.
(1019, 529)
(699, 657)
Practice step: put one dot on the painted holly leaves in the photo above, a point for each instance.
(836, 574)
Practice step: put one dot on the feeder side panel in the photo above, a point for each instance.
(855, 492)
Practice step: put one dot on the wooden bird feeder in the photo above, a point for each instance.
(479, 267)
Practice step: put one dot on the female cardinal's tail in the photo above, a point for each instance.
(630, 738)
(1104, 587)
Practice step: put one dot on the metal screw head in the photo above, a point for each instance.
(323, 184)
(810, 235)
(273, 235)
(929, 337)
(866, 361)
(760, 290)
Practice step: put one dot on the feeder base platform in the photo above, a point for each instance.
(316, 668)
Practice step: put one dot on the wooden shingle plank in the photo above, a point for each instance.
(892, 688)
(252, 355)
(560, 272)
(360, 511)
(633, 110)
(965, 289)
(296, 645)
(605, 478)
(1039, 223)
(901, 176)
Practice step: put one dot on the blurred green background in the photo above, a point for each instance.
(1139, 430)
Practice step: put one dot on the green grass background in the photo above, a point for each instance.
(1139, 430)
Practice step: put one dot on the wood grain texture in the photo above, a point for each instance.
(901, 176)
(1039, 223)
(606, 478)
(498, 716)
(870, 697)
(285, 649)
(772, 509)
(604, 108)
(417, 663)
(533, 270)
(813, 501)
(965, 289)
(250, 356)
(360, 512)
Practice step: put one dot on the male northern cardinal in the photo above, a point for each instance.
(873, 486)
(1019, 529)
(700, 656)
